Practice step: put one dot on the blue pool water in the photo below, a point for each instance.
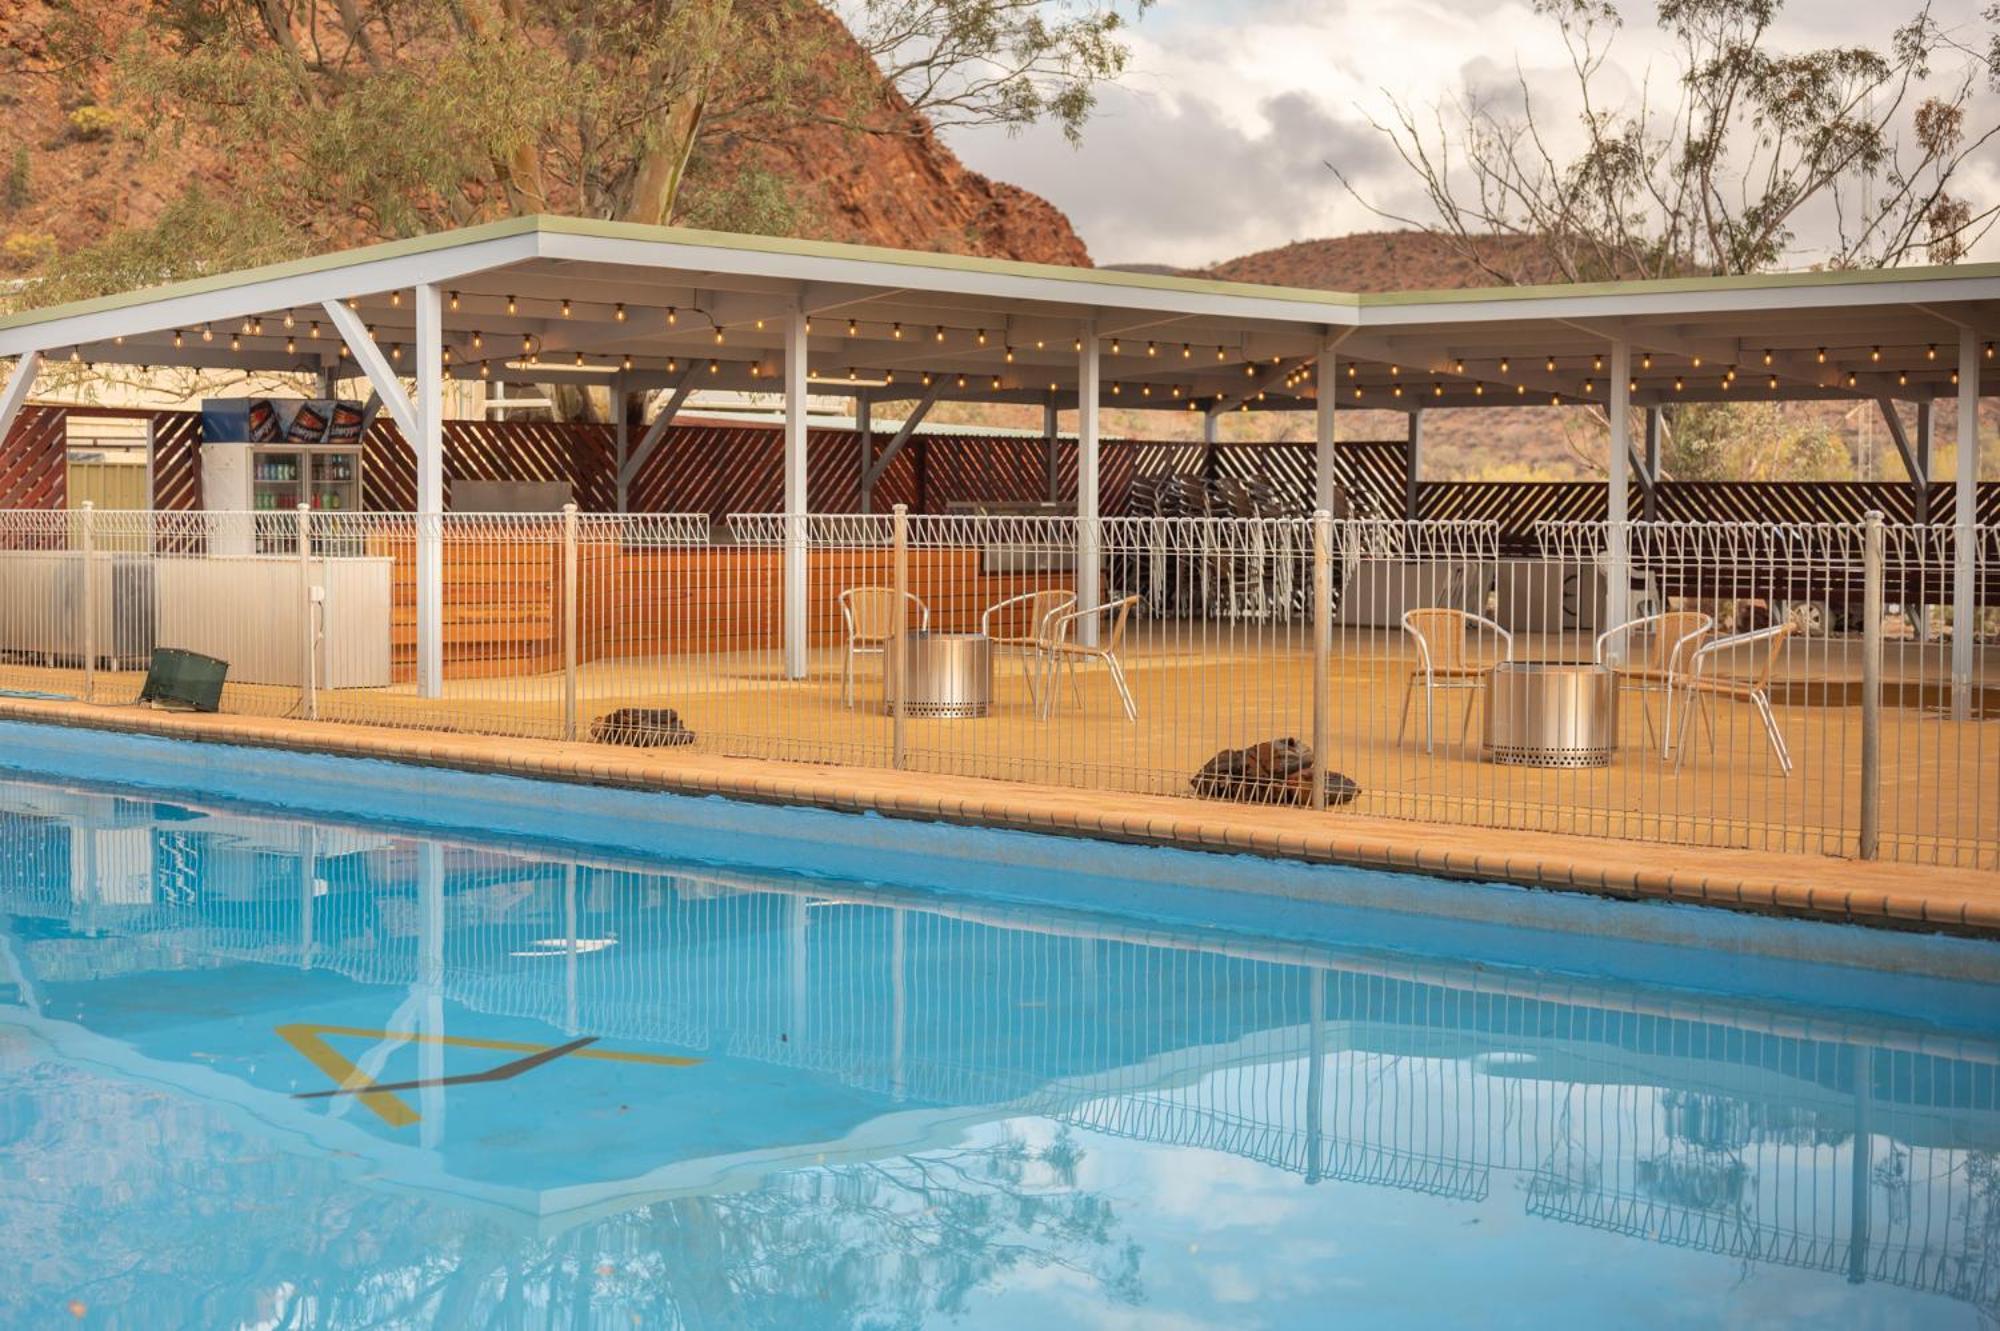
(260, 1070)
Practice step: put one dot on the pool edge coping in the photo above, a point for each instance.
(1964, 902)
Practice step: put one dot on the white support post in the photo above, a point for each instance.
(308, 616)
(429, 441)
(1618, 567)
(569, 594)
(864, 440)
(1089, 591)
(623, 431)
(1413, 463)
(795, 495)
(1051, 459)
(1326, 392)
(1964, 598)
(86, 542)
(19, 384)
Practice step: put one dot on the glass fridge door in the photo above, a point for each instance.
(336, 481)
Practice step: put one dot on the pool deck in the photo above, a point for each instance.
(1885, 895)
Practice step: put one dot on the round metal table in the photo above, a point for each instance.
(951, 675)
(1551, 714)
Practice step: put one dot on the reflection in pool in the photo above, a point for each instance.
(256, 1072)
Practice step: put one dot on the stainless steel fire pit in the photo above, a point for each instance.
(1551, 714)
(951, 674)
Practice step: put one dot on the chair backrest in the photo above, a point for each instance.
(1120, 612)
(871, 611)
(1765, 663)
(1668, 631)
(1441, 631)
(1044, 606)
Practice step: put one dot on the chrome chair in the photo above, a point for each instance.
(1672, 638)
(1064, 654)
(1754, 688)
(1445, 662)
(870, 616)
(1020, 624)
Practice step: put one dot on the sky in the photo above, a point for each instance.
(1215, 141)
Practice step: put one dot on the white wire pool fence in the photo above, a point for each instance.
(1790, 688)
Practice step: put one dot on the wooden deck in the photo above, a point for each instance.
(1226, 687)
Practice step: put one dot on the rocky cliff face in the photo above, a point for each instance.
(74, 169)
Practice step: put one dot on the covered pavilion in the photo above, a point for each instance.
(670, 310)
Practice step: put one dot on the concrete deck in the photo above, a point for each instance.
(1961, 901)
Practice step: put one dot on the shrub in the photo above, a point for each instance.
(92, 122)
(16, 188)
(25, 249)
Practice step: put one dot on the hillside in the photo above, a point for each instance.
(74, 167)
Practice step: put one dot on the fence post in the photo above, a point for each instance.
(1871, 687)
(1322, 617)
(86, 532)
(899, 644)
(569, 619)
(308, 630)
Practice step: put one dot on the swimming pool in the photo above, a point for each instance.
(260, 1069)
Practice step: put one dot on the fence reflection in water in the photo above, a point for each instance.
(1864, 1148)
(1197, 637)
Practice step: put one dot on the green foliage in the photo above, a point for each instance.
(752, 201)
(26, 249)
(1763, 441)
(17, 188)
(195, 235)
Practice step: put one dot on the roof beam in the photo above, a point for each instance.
(19, 384)
(881, 462)
(658, 429)
(376, 367)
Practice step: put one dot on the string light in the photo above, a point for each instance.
(510, 305)
(1550, 366)
(1774, 383)
(447, 356)
(718, 335)
(314, 331)
(672, 365)
(485, 370)
(1646, 361)
(625, 364)
(1220, 355)
(980, 337)
(1114, 346)
(1457, 367)
(478, 340)
(207, 333)
(396, 297)
(1902, 379)
(896, 332)
(760, 325)
(1767, 355)
(1152, 350)
(1678, 384)
(853, 328)
(1875, 354)
(1009, 357)
(673, 316)
(1437, 390)
(1597, 362)
(527, 343)
(1822, 355)
(1187, 351)
(291, 345)
(1479, 390)
(1350, 369)
(579, 358)
(454, 307)
(1851, 379)
(618, 312)
(996, 383)
(177, 338)
(1695, 361)
(235, 343)
(289, 321)
(940, 332)
(1588, 386)
(1503, 365)
(715, 367)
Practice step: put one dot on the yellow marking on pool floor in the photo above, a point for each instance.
(309, 1040)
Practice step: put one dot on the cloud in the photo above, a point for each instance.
(1179, 180)
(1215, 143)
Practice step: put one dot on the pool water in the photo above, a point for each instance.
(262, 1071)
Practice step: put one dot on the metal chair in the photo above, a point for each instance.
(1025, 630)
(1443, 662)
(1754, 689)
(870, 615)
(1064, 654)
(1672, 639)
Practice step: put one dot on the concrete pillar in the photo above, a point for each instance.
(1051, 440)
(1618, 568)
(795, 495)
(1088, 543)
(1964, 601)
(864, 438)
(1413, 470)
(429, 411)
(1326, 391)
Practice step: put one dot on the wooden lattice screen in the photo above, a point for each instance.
(738, 469)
